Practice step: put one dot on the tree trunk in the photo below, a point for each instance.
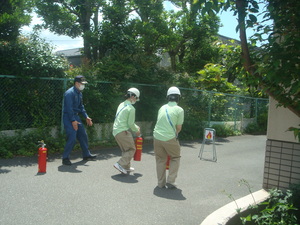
(248, 65)
(173, 60)
(84, 19)
(95, 44)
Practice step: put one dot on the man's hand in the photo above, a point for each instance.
(89, 121)
(75, 125)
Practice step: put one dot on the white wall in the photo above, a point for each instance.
(279, 120)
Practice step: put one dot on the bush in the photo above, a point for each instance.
(31, 57)
(223, 130)
(26, 144)
(278, 209)
(192, 129)
(295, 189)
(254, 128)
(259, 127)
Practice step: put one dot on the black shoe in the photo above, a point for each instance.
(66, 162)
(91, 157)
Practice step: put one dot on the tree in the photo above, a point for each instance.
(27, 58)
(276, 65)
(190, 37)
(130, 35)
(229, 56)
(129, 46)
(211, 79)
(13, 15)
(30, 56)
(73, 18)
(149, 25)
(115, 34)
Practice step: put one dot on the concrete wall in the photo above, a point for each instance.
(239, 125)
(279, 120)
(103, 130)
(282, 159)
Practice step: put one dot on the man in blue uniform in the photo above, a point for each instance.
(73, 106)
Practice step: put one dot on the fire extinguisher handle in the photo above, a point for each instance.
(41, 143)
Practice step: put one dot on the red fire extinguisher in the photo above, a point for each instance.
(168, 162)
(139, 148)
(42, 159)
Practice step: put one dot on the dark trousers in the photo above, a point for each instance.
(73, 135)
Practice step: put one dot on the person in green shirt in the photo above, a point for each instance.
(124, 122)
(169, 123)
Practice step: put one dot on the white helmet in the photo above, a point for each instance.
(173, 90)
(134, 91)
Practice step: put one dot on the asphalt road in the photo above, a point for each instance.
(94, 192)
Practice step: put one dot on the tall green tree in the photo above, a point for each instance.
(276, 64)
(130, 34)
(149, 25)
(278, 67)
(13, 15)
(115, 34)
(190, 37)
(74, 18)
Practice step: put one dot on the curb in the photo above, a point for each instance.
(222, 215)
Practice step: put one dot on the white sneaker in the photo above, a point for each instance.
(171, 186)
(131, 169)
(120, 168)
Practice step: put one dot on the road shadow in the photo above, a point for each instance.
(218, 141)
(4, 171)
(103, 153)
(127, 178)
(222, 140)
(72, 168)
(19, 161)
(188, 144)
(173, 194)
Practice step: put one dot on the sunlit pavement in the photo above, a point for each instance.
(94, 192)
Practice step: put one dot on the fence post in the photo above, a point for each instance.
(209, 108)
(256, 110)
(62, 108)
(235, 112)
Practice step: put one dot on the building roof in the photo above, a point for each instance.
(70, 52)
(227, 40)
(78, 51)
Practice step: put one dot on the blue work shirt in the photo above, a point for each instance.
(73, 104)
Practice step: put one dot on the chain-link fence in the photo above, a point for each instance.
(37, 103)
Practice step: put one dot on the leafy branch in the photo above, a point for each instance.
(296, 132)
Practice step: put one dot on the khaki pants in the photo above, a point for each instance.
(126, 143)
(162, 149)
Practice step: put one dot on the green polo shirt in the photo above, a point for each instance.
(125, 118)
(163, 130)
